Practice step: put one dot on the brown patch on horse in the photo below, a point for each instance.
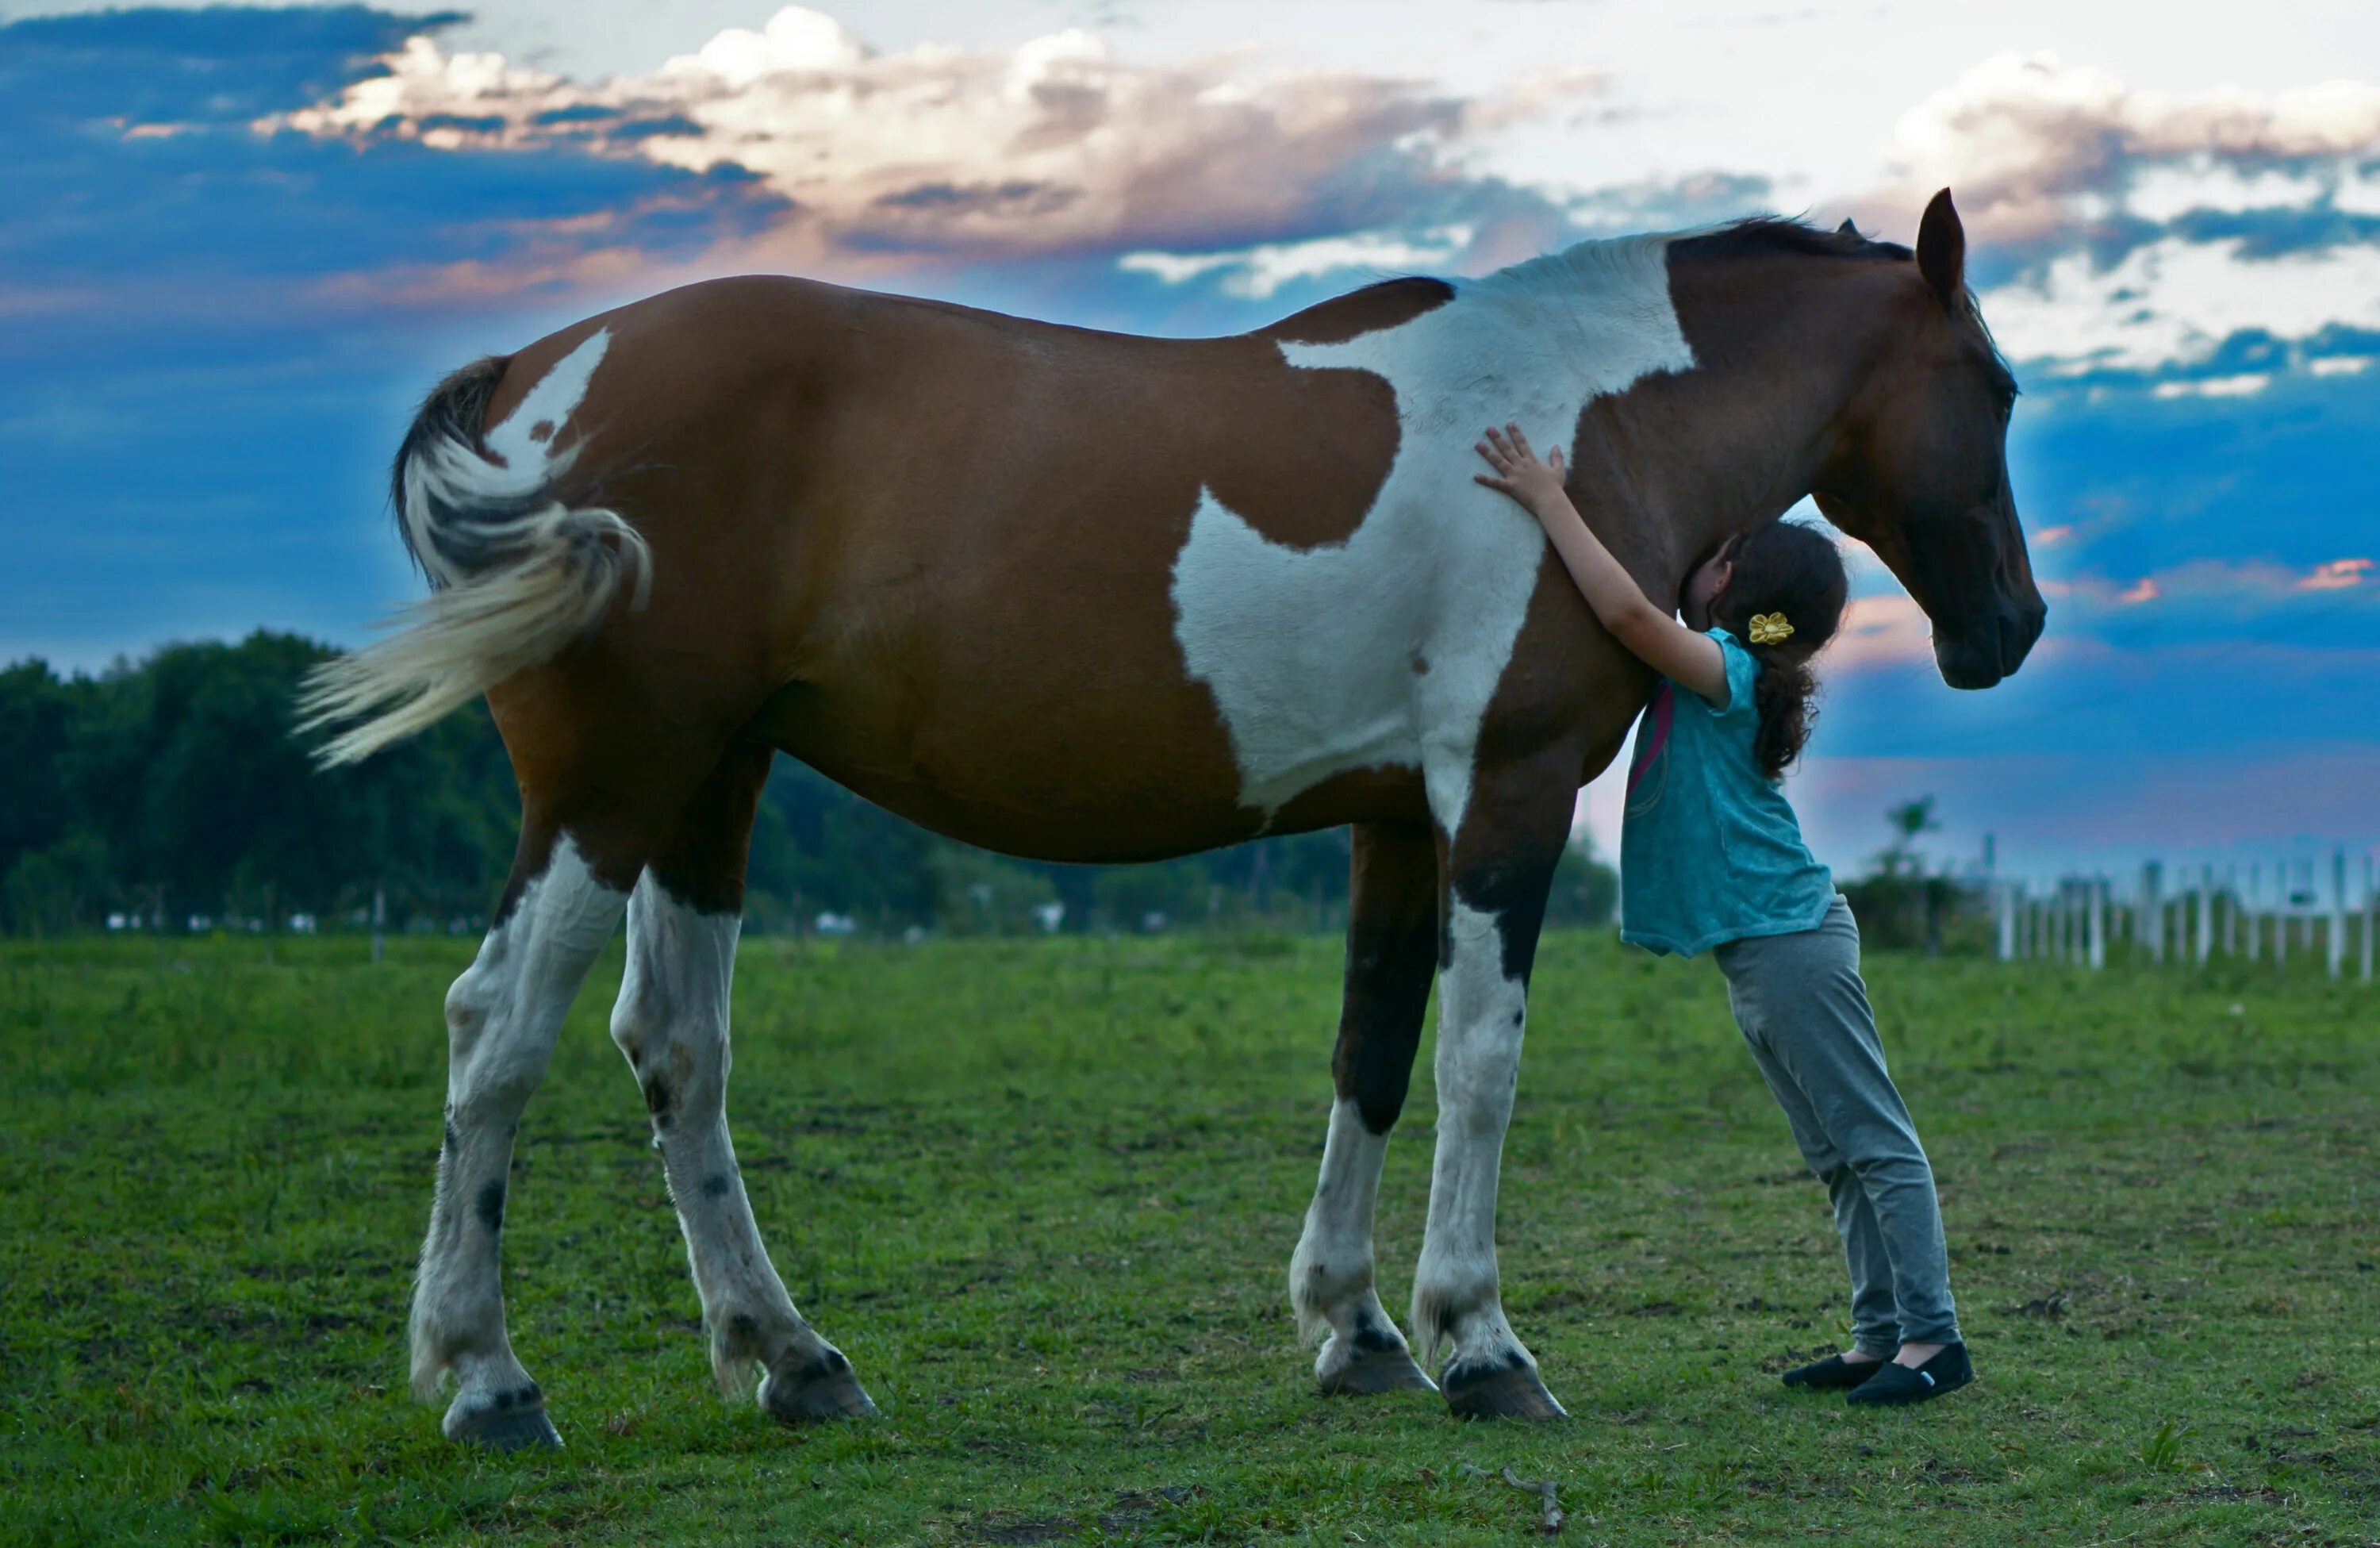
(1302, 454)
(1391, 303)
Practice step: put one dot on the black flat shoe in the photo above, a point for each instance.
(1897, 1385)
(1834, 1371)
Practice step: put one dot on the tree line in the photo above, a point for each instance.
(170, 793)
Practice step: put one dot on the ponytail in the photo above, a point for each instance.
(1788, 568)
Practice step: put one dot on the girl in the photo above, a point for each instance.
(1711, 858)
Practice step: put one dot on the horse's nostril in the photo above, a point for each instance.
(2014, 640)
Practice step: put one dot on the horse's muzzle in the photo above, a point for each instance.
(1983, 656)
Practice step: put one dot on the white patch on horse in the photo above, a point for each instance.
(455, 476)
(1310, 652)
(501, 1018)
(549, 404)
(1480, 1021)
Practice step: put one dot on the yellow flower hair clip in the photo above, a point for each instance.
(1770, 629)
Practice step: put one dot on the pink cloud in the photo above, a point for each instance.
(2336, 574)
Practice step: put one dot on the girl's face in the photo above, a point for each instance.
(1706, 585)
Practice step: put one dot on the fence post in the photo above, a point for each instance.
(2004, 920)
(2280, 913)
(2371, 917)
(2098, 885)
(2204, 939)
(2153, 909)
(2255, 896)
(2334, 948)
(379, 922)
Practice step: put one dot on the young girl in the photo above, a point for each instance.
(1711, 858)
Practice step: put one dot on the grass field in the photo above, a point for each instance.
(1044, 1195)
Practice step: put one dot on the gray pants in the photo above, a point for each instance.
(1805, 1011)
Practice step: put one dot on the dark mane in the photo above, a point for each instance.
(1759, 235)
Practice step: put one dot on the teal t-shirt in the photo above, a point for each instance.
(1709, 851)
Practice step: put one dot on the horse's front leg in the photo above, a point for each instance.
(1499, 867)
(1392, 951)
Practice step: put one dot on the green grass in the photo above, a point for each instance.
(1044, 1195)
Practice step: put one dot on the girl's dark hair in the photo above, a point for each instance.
(1783, 566)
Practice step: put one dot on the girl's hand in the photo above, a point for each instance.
(1536, 485)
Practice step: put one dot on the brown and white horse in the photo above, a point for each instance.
(1089, 597)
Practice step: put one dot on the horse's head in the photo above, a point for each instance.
(1920, 470)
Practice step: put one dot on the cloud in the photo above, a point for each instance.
(140, 188)
(2176, 304)
(1884, 629)
(1054, 147)
(2132, 236)
(2212, 590)
(1257, 273)
(2035, 146)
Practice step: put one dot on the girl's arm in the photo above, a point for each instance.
(1655, 636)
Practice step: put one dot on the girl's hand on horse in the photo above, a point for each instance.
(1536, 485)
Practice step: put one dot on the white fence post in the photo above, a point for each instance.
(2202, 939)
(2334, 948)
(2280, 913)
(2152, 910)
(2371, 918)
(2098, 885)
(2256, 916)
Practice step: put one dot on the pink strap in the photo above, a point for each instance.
(1654, 735)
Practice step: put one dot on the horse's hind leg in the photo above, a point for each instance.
(1392, 949)
(502, 1017)
(672, 1023)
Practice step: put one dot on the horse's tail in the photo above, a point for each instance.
(516, 576)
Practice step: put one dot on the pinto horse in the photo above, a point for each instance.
(1080, 596)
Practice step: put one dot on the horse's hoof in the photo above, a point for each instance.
(1499, 1391)
(1366, 1371)
(800, 1394)
(512, 1422)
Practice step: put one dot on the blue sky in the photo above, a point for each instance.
(238, 243)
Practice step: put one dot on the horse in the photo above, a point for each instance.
(1083, 596)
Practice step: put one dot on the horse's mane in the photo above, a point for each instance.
(1756, 234)
(1751, 236)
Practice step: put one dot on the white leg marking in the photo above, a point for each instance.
(672, 1023)
(1330, 1276)
(1481, 1016)
(502, 1017)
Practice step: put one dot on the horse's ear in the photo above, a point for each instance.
(1942, 249)
(1847, 229)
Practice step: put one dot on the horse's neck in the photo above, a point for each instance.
(1709, 451)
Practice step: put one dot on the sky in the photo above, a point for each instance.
(239, 244)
